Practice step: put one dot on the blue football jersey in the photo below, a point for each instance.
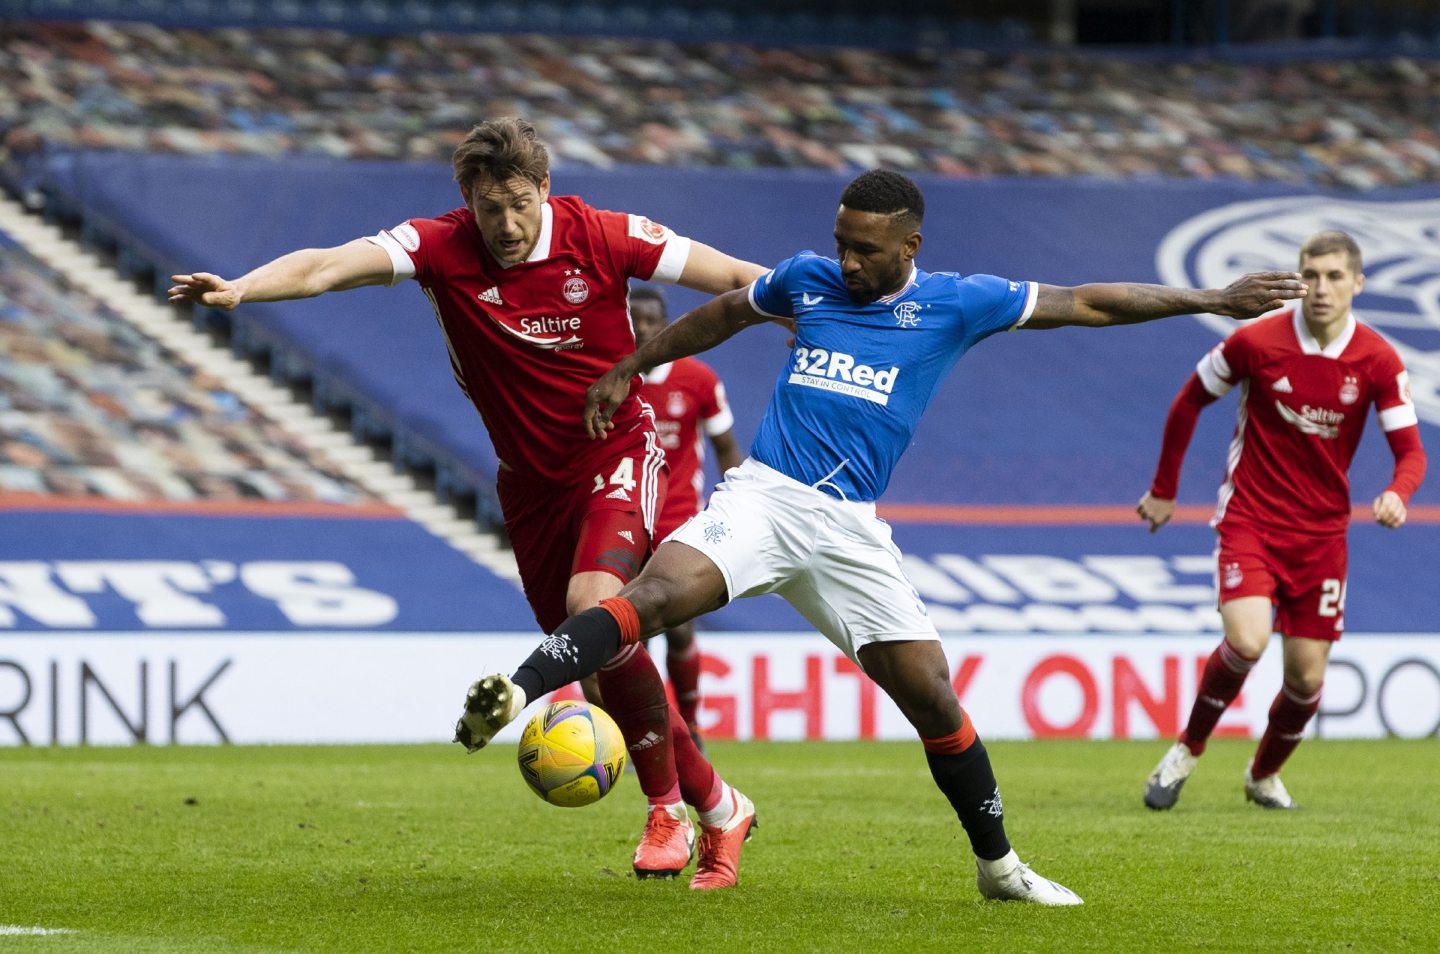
(847, 404)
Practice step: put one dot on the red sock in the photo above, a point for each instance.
(1289, 714)
(1225, 673)
(635, 699)
(699, 782)
(684, 671)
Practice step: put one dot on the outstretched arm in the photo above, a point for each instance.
(691, 333)
(301, 274)
(1158, 504)
(713, 272)
(1126, 303)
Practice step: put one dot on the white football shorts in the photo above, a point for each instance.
(833, 560)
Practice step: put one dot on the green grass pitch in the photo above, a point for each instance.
(391, 849)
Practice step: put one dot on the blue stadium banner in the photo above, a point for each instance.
(291, 569)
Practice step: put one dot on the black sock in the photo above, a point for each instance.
(968, 781)
(579, 647)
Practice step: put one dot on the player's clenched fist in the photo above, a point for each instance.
(1389, 510)
(1158, 512)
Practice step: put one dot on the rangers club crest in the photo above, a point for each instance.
(1401, 247)
(907, 314)
(575, 290)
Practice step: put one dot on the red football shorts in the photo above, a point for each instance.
(1302, 574)
(603, 522)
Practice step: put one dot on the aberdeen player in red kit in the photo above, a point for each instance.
(690, 408)
(530, 291)
(1307, 379)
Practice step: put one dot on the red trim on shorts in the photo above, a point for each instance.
(624, 612)
(954, 743)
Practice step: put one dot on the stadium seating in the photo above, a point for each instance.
(90, 408)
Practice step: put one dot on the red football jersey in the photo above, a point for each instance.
(1302, 411)
(689, 404)
(527, 340)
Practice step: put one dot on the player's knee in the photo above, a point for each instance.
(1305, 682)
(654, 599)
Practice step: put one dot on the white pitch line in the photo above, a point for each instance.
(16, 930)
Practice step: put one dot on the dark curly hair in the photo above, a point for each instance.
(885, 192)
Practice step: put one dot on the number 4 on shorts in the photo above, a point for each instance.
(623, 477)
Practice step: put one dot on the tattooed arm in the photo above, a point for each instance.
(693, 332)
(1125, 303)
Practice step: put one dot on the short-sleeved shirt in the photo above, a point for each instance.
(689, 404)
(527, 340)
(859, 377)
(1302, 411)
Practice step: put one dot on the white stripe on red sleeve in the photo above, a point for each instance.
(400, 260)
(672, 259)
(1401, 415)
(1214, 372)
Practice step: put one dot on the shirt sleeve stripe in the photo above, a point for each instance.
(1401, 415)
(1032, 294)
(400, 260)
(720, 423)
(1213, 372)
(672, 260)
(750, 293)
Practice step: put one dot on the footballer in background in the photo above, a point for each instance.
(688, 399)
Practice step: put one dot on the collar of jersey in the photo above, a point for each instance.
(1308, 344)
(909, 283)
(541, 251)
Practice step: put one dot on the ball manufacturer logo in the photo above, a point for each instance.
(1401, 248)
(576, 290)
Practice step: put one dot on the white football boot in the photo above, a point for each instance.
(492, 703)
(1010, 879)
(1267, 792)
(1162, 788)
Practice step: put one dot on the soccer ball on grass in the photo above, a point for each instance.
(571, 754)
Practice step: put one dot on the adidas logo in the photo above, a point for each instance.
(1283, 386)
(619, 493)
(628, 536)
(650, 741)
(491, 296)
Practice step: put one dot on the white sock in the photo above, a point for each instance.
(1000, 866)
(520, 698)
(676, 808)
(726, 813)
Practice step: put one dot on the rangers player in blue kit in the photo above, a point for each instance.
(874, 338)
